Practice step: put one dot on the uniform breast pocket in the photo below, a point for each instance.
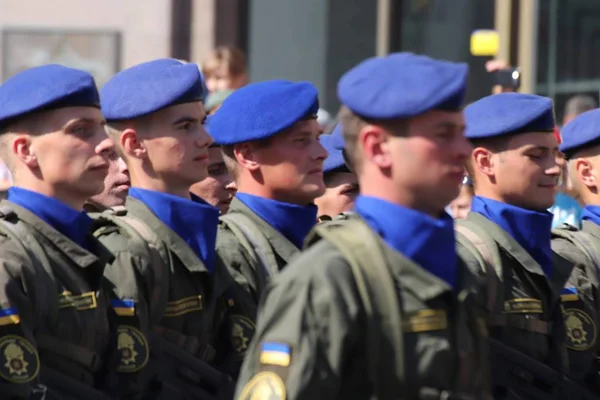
(77, 313)
(428, 346)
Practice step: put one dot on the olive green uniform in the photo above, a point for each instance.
(57, 327)
(581, 309)
(314, 308)
(523, 306)
(186, 303)
(251, 265)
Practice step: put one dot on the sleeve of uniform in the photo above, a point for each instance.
(307, 331)
(19, 359)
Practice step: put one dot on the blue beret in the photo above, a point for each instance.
(260, 110)
(402, 85)
(150, 87)
(335, 157)
(44, 88)
(507, 114)
(582, 131)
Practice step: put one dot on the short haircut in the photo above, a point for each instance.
(579, 104)
(353, 123)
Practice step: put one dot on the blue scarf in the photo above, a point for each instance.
(531, 229)
(195, 221)
(592, 214)
(72, 223)
(427, 241)
(291, 220)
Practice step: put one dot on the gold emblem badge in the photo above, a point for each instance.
(581, 330)
(242, 330)
(20, 362)
(264, 386)
(133, 347)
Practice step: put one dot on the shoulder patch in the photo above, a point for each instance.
(19, 360)
(275, 353)
(123, 308)
(133, 347)
(9, 316)
(264, 386)
(242, 331)
(581, 330)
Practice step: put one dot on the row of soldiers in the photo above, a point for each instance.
(164, 298)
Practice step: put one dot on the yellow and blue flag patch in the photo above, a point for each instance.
(569, 294)
(9, 316)
(273, 353)
(123, 308)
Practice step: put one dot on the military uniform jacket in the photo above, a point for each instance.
(311, 339)
(179, 292)
(54, 314)
(523, 305)
(581, 307)
(250, 271)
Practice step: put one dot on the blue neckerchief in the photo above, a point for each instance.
(70, 222)
(427, 241)
(531, 229)
(291, 220)
(592, 214)
(195, 221)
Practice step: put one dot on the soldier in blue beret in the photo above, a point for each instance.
(155, 116)
(269, 135)
(341, 185)
(506, 236)
(377, 305)
(56, 326)
(581, 300)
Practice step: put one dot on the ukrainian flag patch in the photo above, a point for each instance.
(275, 353)
(9, 316)
(123, 308)
(569, 294)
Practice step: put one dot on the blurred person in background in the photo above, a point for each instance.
(215, 99)
(116, 186)
(218, 188)
(461, 205)
(567, 208)
(576, 105)
(225, 68)
(341, 184)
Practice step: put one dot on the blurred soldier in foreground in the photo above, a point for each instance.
(380, 306)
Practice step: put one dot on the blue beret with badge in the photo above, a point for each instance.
(44, 88)
(261, 110)
(403, 85)
(583, 131)
(508, 114)
(335, 158)
(149, 87)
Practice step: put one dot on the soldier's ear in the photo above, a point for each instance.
(24, 150)
(483, 161)
(246, 156)
(132, 145)
(586, 173)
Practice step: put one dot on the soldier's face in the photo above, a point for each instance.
(72, 152)
(291, 164)
(217, 188)
(177, 144)
(340, 192)
(116, 183)
(429, 159)
(527, 172)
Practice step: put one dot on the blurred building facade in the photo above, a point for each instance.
(553, 41)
